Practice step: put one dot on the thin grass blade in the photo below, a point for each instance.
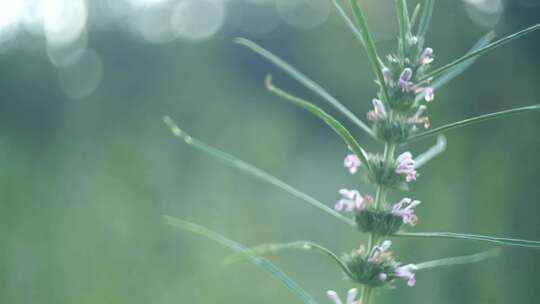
(329, 120)
(348, 22)
(234, 162)
(460, 68)
(481, 51)
(467, 259)
(475, 120)
(307, 82)
(370, 47)
(266, 249)
(415, 14)
(472, 237)
(404, 24)
(431, 153)
(262, 263)
(425, 19)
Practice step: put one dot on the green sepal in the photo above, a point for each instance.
(384, 174)
(395, 130)
(378, 222)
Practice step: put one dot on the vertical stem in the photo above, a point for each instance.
(380, 199)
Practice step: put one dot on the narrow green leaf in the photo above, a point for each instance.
(431, 153)
(460, 68)
(304, 80)
(234, 162)
(404, 24)
(474, 120)
(329, 120)
(348, 22)
(262, 263)
(481, 51)
(414, 16)
(427, 13)
(275, 248)
(472, 237)
(370, 47)
(467, 259)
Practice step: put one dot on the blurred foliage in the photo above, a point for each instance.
(85, 181)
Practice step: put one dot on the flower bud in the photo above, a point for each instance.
(405, 80)
(426, 57)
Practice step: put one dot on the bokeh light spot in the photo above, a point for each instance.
(304, 14)
(198, 19)
(82, 77)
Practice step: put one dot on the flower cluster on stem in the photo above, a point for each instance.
(397, 114)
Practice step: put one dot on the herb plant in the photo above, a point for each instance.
(407, 84)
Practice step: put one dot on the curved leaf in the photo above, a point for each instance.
(307, 82)
(251, 170)
(431, 153)
(262, 263)
(329, 120)
(274, 248)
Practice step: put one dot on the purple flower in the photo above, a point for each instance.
(429, 94)
(351, 296)
(352, 162)
(405, 210)
(351, 200)
(405, 80)
(405, 166)
(406, 272)
(427, 56)
(378, 112)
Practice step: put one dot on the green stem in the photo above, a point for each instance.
(380, 198)
(367, 295)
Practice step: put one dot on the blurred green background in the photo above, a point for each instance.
(88, 168)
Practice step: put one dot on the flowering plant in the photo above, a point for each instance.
(406, 85)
